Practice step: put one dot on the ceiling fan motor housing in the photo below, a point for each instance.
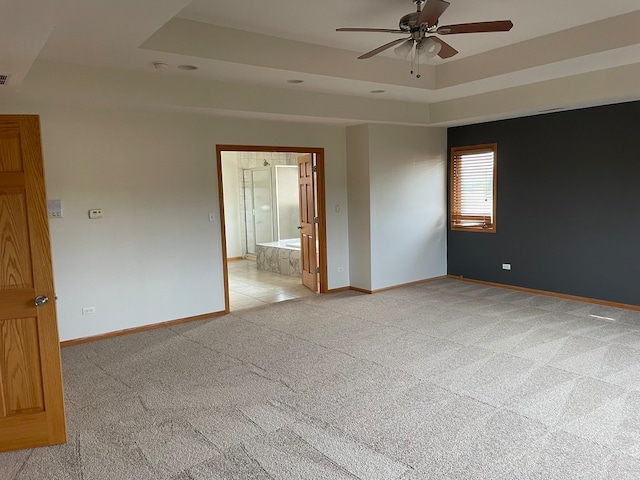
(409, 23)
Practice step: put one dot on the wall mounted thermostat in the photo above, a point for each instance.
(95, 213)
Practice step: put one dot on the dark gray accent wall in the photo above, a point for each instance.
(568, 204)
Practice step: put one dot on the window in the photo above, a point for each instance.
(473, 182)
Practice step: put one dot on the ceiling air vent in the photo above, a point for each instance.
(4, 79)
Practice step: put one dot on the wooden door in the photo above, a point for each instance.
(308, 237)
(31, 399)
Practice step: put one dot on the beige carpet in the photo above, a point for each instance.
(444, 380)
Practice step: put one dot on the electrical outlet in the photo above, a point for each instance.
(88, 310)
(506, 266)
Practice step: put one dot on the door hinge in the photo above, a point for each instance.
(317, 269)
(314, 168)
(316, 219)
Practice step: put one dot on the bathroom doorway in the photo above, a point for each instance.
(262, 223)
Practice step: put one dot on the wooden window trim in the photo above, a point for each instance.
(455, 217)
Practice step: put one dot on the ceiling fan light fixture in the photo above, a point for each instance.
(404, 49)
(430, 47)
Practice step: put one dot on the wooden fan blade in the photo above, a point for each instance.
(497, 26)
(432, 11)
(381, 49)
(383, 30)
(446, 50)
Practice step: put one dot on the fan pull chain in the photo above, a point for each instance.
(415, 57)
(412, 55)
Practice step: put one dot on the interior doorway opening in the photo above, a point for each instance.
(273, 223)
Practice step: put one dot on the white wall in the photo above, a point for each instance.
(231, 193)
(154, 256)
(359, 206)
(408, 172)
(397, 195)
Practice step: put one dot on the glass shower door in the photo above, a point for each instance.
(258, 207)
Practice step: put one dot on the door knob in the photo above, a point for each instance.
(299, 227)
(41, 300)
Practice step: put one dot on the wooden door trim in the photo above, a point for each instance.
(322, 210)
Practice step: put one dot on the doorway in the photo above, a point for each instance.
(262, 223)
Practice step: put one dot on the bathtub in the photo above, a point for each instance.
(292, 243)
(281, 257)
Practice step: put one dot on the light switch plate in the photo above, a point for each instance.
(54, 208)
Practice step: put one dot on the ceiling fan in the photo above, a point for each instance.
(422, 26)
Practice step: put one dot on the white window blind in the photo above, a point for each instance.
(472, 188)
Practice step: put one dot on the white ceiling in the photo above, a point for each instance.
(563, 54)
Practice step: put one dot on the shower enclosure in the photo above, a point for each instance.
(271, 212)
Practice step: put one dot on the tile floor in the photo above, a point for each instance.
(250, 287)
